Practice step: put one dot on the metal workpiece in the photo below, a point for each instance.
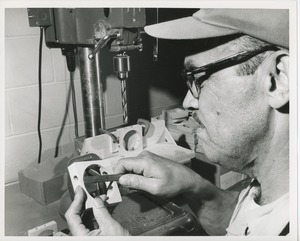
(103, 175)
(92, 93)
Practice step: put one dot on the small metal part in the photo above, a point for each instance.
(102, 178)
(146, 125)
(115, 139)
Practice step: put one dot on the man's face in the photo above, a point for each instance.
(233, 112)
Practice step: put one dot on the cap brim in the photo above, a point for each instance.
(186, 28)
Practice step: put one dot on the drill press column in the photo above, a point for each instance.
(92, 93)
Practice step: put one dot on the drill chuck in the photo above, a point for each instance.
(121, 66)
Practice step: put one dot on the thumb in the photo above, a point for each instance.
(107, 225)
(101, 213)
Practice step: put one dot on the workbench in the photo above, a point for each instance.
(23, 213)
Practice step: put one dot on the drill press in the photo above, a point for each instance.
(85, 31)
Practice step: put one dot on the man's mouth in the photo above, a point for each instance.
(196, 118)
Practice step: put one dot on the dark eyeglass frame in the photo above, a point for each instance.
(209, 69)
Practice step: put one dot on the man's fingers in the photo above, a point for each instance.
(101, 213)
(139, 182)
(129, 165)
(135, 165)
(107, 224)
(78, 200)
(73, 213)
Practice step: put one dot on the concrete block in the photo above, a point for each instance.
(22, 150)
(45, 182)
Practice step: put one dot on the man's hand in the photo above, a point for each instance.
(156, 175)
(107, 225)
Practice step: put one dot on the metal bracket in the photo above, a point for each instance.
(77, 175)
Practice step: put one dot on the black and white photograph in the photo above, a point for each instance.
(149, 119)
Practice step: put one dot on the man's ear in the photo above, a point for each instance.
(277, 81)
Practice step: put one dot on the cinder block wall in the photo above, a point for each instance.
(152, 87)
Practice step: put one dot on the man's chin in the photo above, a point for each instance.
(217, 158)
(211, 156)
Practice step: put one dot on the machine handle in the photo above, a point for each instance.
(101, 43)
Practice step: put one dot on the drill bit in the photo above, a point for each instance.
(124, 101)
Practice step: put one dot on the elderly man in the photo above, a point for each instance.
(239, 95)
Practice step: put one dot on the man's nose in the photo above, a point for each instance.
(190, 102)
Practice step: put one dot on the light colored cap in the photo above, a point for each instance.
(270, 25)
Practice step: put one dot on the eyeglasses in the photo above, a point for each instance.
(194, 84)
